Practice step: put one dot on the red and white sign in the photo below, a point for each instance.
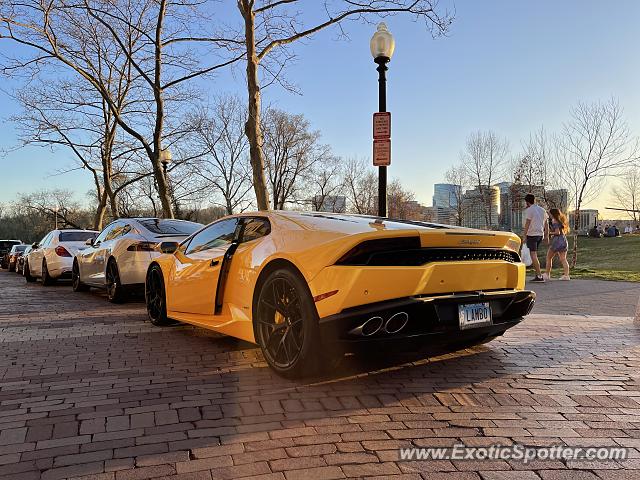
(381, 152)
(382, 125)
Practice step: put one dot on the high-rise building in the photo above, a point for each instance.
(445, 195)
(482, 208)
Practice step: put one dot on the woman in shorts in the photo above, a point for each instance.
(558, 244)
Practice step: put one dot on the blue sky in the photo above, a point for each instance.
(508, 66)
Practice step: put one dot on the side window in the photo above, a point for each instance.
(115, 232)
(256, 228)
(217, 235)
(45, 241)
(104, 233)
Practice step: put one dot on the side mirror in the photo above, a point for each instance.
(89, 241)
(168, 247)
(34, 245)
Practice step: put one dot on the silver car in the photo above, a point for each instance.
(118, 258)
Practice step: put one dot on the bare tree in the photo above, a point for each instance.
(292, 151)
(484, 160)
(360, 185)
(155, 36)
(51, 205)
(459, 178)
(531, 169)
(627, 193)
(594, 143)
(402, 204)
(270, 27)
(57, 112)
(224, 164)
(325, 183)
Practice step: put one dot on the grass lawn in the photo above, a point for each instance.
(604, 258)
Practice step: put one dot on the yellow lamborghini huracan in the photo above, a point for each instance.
(301, 285)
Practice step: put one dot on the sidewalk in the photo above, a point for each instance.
(586, 297)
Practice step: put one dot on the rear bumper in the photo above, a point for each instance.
(60, 267)
(433, 321)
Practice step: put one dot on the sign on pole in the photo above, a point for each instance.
(382, 139)
(382, 152)
(382, 125)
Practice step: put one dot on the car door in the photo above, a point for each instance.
(197, 269)
(37, 254)
(87, 257)
(103, 251)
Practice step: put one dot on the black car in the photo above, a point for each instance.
(21, 259)
(14, 254)
(5, 247)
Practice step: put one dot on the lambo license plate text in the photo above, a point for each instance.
(474, 315)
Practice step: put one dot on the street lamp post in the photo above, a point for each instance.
(382, 47)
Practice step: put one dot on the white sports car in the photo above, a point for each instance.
(117, 259)
(52, 257)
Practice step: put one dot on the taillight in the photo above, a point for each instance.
(142, 247)
(62, 252)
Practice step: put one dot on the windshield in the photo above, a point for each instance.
(76, 236)
(19, 248)
(170, 227)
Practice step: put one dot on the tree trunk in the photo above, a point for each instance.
(158, 171)
(108, 187)
(98, 219)
(253, 128)
(574, 250)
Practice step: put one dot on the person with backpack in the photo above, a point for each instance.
(559, 244)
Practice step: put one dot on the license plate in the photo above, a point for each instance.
(474, 315)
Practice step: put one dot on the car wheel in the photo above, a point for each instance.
(77, 285)
(286, 325)
(155, 297)
(46, 278)
(115, 291)
(27, 273)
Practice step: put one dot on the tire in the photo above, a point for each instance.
(47, 279)
(116, 292)
(76, 284)
(155, 297)
(12, 268)
(27, 273)
(286, 325)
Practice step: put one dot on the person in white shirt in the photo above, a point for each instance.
(536, 229)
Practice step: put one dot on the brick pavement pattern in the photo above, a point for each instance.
(92, 391)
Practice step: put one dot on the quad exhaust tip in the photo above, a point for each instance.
(394, 324)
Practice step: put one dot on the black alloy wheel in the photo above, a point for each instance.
(286, 325)
(155, 297)
(115, 291)
(46, 278)
(76, 283)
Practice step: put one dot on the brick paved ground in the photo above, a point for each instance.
(586, 297)
(90, 390)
